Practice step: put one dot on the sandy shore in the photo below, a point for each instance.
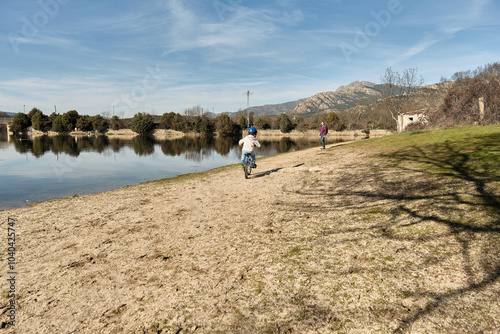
(302, 246)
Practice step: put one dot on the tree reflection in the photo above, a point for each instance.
(192, 148)
(117, 144)
(22, 144)
(41, 145)
(143, 145)
(223, 145)
(65, 144)
(92, 144)
(285, 145)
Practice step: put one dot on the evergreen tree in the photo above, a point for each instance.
(100, 124)
(57, 125)
(205, 126)
(69, 120)
(32, 113)
(84, 123)
(243, 122)
(179, 123)
(333, 122)
(142, 123)
(224, 125)
(166, 121)
(285, 124)
(20, 123)
(41, 122)
(116, 123)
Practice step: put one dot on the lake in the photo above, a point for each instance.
(43, 168)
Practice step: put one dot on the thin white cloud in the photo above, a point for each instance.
(420, 47)
(51, 41)
(243, 29)
(446, 27)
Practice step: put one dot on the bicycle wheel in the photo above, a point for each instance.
(247, 167)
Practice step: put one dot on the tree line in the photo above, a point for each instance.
(145, 123)
(60, 123)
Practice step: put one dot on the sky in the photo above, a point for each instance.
(121, 57)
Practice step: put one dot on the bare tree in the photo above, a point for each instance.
(194, 111)
(410, 80)
(397, 87)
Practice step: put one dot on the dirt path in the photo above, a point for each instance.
(295, 248)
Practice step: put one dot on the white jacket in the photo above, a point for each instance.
(249, 142)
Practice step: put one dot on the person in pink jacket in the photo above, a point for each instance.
(323, 133)
(249, 142)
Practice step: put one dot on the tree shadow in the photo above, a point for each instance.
(454, 185)
(475, 166)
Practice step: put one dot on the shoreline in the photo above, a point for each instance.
(172, 134)
(179, 176)
(22, 202)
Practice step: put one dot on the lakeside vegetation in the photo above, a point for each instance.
(193, 121)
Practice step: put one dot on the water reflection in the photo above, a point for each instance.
(193, 148)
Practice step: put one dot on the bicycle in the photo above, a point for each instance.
(247, 164)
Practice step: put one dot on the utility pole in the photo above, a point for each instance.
(248, 108)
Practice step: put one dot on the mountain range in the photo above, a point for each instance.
(343, 98)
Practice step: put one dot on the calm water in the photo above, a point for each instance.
(34, 170)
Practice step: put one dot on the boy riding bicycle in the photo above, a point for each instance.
(249, 142)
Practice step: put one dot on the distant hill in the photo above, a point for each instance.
(343, 98)
(10, 114)
(275, 109)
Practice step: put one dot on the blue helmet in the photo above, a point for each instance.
(252, 130)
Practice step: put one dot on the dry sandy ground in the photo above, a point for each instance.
(309, 244)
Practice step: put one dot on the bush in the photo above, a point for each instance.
(263, 124)
(100, 124)
(69, 120)
(179, 123)
(116, 123)
(84, 123)
(57, 125)
(41, 122)
(205, 125)
(166, 121)
(20, 123)
(333, 122)
(142, 123)
(225, 126)
(286, 125)
(461, 103)
(32, 113)
(243, 122)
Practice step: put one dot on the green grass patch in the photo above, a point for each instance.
(487, 137)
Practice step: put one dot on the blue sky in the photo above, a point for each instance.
(161, 56)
